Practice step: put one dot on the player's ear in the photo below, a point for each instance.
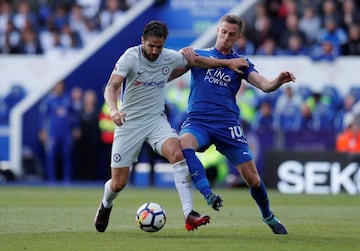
(142, 40)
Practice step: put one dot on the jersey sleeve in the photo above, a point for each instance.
(248, 70)
(179, 58)
(125, 63)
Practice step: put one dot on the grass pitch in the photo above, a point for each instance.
(61, 218)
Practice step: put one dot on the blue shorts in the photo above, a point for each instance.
(227, 136)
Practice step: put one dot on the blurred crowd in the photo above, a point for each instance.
(322, 30)
(319, 29)
(55, 27)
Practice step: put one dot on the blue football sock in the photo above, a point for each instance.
(260, 196)
(197, 172)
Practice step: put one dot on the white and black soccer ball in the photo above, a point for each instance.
(151, 217)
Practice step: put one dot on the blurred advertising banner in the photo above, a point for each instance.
(312, 172)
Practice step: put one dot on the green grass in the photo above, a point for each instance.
(61, 218)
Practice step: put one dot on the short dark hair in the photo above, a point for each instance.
(155, 29)
(233, 19)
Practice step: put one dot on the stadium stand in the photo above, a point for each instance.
(50, 28)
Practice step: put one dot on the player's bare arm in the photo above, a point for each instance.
(266, 85)
(194, 59)
(177, 72)
(111, 95)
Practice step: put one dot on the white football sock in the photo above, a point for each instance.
(183, 185)
(109, 195)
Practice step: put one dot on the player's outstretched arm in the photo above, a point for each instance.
(266, 85)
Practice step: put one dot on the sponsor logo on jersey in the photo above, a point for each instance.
(217, 76)
(160, 84)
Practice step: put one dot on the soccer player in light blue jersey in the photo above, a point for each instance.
(139, 78)
(213, 118)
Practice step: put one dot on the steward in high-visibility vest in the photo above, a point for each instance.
(106, 124)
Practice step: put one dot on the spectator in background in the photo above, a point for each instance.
(349, 140)
(113, 11)
(307, 119)
(59, 126)
(291, 28)
(333, 34)
(77, 102)
(260, 26)
(29, 43)
(324, 52)
(6, 14)
(310, 24)
(264, 118)
(288, 110)
(89, 140)
(10, 40)
(24, 15)
(330, 10)
(323, 112)
(352, 46)
(296, 47)
(269, 48)
(348, 104)
(77, 106)
(350, 14)
(90, 8)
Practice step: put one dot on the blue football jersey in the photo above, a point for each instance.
(213, 91)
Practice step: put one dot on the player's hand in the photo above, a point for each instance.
(189, 53)
(236, 64)
(285, 77)
(118, 117)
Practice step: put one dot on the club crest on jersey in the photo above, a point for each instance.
(165, 70)
(117, 157)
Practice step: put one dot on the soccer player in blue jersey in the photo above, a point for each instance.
(213, 118)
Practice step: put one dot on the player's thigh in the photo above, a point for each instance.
(127, 145)
(195, 134)
(159, 133)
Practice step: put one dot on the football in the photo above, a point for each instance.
(151, 217)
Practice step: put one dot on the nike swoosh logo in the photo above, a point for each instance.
(140, 72)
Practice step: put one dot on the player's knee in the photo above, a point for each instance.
(253, 181)
(176, 156)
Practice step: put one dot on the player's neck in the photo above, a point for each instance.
(224, 51)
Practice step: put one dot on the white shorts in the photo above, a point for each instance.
(130, 137)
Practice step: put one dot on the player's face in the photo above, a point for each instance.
(227, 35)
(152, 47)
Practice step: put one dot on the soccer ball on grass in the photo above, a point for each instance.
(150, 217)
